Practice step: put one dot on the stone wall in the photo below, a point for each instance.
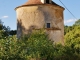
(37, 16)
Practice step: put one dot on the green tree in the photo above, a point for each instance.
(12, 32)
(67, 29)
(72, 40)
(5, 31)
(39, 46)
(77, 22)
(35, 46)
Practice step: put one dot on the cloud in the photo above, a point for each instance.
(5, 16)
(69, 21)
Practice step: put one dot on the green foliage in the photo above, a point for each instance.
(12, 32)
(73, 39)
(67, 29)
(27, 47)
(77, 22)
(37, 46)
(5, 31)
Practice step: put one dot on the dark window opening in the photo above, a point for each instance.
(47, 1)
(48, 25)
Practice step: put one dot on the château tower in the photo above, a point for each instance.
(40, 14)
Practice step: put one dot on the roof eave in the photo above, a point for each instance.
(39, 4)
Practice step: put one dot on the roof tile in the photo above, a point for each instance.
(30, 2)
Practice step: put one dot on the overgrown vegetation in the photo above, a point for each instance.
(38, 47)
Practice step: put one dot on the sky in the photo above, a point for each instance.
(8, 14)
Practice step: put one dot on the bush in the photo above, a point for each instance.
(37, 47)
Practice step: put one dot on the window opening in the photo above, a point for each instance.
(47, 1)
(48, 25)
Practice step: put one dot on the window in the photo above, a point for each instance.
(48, 25)
(47, 1)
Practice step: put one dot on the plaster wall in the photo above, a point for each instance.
(36, 17)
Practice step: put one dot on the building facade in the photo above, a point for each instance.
(41, 14)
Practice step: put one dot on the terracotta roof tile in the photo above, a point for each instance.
(30, 2)
(34, 2)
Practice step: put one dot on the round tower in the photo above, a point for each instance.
(40, 14)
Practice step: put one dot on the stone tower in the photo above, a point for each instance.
(40, 14)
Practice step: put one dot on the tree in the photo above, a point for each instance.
(72, 40)
(5, 31)
(77, 22)
(37, 46)
(1, 25)
(67, 29)
(12, 32)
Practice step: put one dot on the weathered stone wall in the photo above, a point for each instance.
(37, 17)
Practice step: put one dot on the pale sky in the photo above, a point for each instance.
(8, 14)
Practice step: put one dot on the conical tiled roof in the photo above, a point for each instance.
(30, 2)
(35, 2)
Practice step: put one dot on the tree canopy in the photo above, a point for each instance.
(77, 22)
(37, 46)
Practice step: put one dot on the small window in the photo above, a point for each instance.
(48, 25)
(47, 1)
